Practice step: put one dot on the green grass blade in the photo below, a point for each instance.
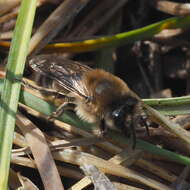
(11, 88)
(168, 101)
(120, 39)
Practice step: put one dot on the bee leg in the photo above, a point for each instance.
(59, 111)
(130, 130)
(146, 125)
(39, 88)
(103, 128)
(147, 129)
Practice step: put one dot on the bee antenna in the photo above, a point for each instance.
(147, 129)
(135, 121)
(144, 123)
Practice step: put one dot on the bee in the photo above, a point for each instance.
(99, 97)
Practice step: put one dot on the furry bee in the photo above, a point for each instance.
(99, 97)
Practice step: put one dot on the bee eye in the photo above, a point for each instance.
(118, 117)
(119, 112)
(115, 113)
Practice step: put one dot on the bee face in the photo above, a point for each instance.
(122, 112)
(123, 107)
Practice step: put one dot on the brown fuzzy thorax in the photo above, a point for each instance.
(103, 87)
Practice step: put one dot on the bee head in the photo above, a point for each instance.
(124, 115)
(122, 109)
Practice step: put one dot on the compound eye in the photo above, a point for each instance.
(115, 113)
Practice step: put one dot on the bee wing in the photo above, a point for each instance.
(66, 72)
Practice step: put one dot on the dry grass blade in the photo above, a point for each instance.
(14, 182)
(99, 180)
(155, 169)
(172, 127)
(13, 14)
(173, 8)
(57, 20)
(64, 171)
(41, 153)
(180, 181)
(59, 144)
(130, 157)
(79, 158)
(121, 186)
(103, 11)
(19, 140)
(23, 161)
(127, 157)
(84, 182)
(7, 5)
(27, 183)
(9, 16)
(168, 34)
